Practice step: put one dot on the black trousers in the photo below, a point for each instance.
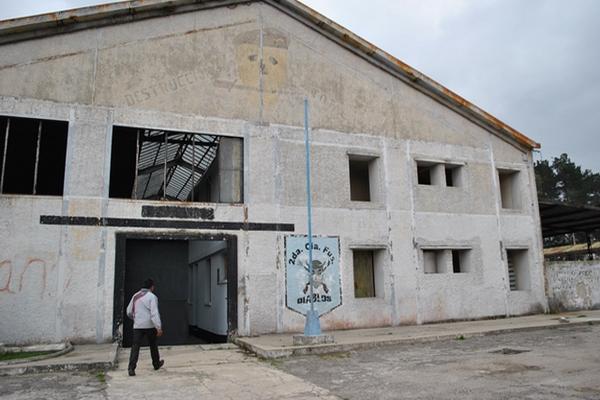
(138, 334)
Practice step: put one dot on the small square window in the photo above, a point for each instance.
(460, 261)
(453, 175)
(364, 273)
(434, 262)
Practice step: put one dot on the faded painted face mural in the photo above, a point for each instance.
(326, 288)
(271, 63)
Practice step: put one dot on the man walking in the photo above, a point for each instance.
(143, 310)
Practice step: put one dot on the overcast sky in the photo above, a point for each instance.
(534, 64)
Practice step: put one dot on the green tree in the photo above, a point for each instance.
(566, 182)
(545, 178)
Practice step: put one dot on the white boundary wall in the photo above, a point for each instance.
(573, 285)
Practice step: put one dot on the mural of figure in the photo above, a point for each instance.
(319, 267)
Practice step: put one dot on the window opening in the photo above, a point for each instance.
(364, 273)
(33, 154)
(460, 261)
(518, 269)
(152, 164)
(360, 189)
(434, 262)
(440, 261)
(509, 189)
(424, 174)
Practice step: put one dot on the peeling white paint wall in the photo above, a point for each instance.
(243, 72)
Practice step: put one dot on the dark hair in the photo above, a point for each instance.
(148, 283)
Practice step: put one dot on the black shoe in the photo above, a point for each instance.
(132, 372)
(160, 364)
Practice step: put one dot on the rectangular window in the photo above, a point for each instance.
(453, 175)
(152, 164)
(439, 174)
(509, 189)
(518, 271)
(440, 261)
(434, 262)
(33, 154)
(364, 273)
(460, 261)
(424, 173)
(360, 185)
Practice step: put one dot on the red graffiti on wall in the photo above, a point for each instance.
(32, 262)
(6, 286)
(34, 269)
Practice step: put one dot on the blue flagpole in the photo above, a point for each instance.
(312, 326)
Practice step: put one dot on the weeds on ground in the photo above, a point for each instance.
(101, 376)
(460, 337)
(335, 355)
(275, 363)
(23, 354)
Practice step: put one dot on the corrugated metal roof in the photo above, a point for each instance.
(560, 218)
(183, 161)
(108, 14)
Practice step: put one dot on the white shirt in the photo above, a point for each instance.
(146, 311)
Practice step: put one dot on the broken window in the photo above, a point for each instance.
(509, 189)
(360, 188)
(518, 271)
(364, 273)
(33, 155)
(153, 164)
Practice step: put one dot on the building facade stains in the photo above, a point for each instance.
(435, 210)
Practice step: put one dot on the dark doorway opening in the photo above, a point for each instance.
(196, 285)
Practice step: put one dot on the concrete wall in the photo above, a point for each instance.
(209, 315)
(573, 285)
(201, 72)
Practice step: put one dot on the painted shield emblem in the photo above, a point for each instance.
(327, 291)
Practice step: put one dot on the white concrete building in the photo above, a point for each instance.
(165, 139)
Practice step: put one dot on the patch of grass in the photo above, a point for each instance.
(23, 355)
(334, 356)
(460, 337)
(101, 377)
(275, 363)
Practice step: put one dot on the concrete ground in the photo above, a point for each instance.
(281, 345)
(189, 373)
(550, 363)
(559, 363)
